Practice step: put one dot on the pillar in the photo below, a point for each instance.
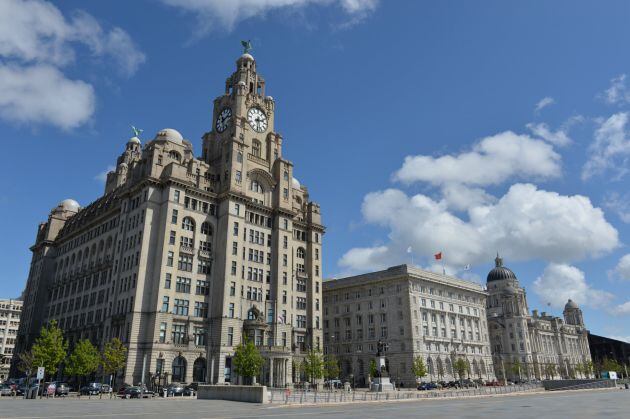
(271, 368)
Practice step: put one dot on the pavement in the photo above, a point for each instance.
(569, 404)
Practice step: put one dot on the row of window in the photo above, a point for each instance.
(185, 263)
(181, 307)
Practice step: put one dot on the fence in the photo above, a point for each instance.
(282, 396)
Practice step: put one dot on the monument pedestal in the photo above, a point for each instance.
(381, 384)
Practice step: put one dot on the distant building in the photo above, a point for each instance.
(608, 348)
(528, 346)
(417, 313)
(10, 311)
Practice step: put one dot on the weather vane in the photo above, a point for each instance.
(136, 131)
(247, 46)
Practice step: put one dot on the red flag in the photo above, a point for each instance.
(438, 256)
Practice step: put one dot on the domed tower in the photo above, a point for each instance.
(573, 314)
(508, 316)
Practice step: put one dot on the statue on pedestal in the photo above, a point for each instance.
(381, 380)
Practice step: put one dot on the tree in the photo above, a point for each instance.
(516, 368)
(247, 360)
(331, 367)
(313, 365)
(611, 365)
(50, 348)
(26, 363)
(84, 360)
(418, 368)
(587, 367)
(114, 357)
(550, 369)
(373, 368)
(461, 367)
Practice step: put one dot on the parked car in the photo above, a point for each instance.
(5, 390)
(137, 392)
(122, 389)
(428, 386)
(494, 383)
(61, 389)
(175, 389)
(333, 384)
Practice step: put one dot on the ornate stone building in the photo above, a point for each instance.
(10, 312)
(417, 313)
(528, 346)
(183, 256)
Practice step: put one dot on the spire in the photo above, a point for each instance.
(498, 261)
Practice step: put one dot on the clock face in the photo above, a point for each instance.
(223, 119)
(257, 119)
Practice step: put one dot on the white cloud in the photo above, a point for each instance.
(37, 41)
(460, 197)
(102, 176)
(610, 150)
(620, 204)
(622, 270)
(621, 338)
(544, 102)
(526, 223)
(618, 92)
(492, 160)
(561, 282)
(622, 309)
(558, 138)
(42, 94)
(227, 13)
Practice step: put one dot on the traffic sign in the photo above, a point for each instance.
(40, 373)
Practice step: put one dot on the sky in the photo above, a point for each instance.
(460, 127)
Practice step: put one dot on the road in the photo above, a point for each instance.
(576, 404)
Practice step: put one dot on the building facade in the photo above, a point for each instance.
(527, 346)
(10, 312)
(607, 348)
(184, 257)
(417, 313)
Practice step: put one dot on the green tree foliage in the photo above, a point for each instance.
(114, 357)
(313, 365)
(331, 367)
(50, 348)
(611, 365)
(418, 368)
(26, 363)
(84, 360)
(373, 368)
(247, 360)
(587, 367)
(461, 366)
(515, 367)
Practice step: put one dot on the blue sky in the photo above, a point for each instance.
(455, 126)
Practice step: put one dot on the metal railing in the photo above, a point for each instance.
(285, 396)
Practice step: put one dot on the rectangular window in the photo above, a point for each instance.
(169, 258)
(230, 336)
(167, 282)
(165, 301)
(185, 263)
(231, 310)
(172, 237)
(162, 332)
(204, 266)
(233, 270)
(183, 285)
(181, 307)
(200, 336)
(232, 289)
(201, 309)
(179, 334)
(174, 217)
(234, 248)
(235, 229)
(203, 288)
(176, 196)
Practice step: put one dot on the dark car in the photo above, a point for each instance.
(175, 389)
(137, 392)
(427, 386)
(62, 389)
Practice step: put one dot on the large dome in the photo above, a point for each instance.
(500, 272)
(571, 304)
(69, 205)
(169, 134)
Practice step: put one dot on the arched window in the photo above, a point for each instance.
(199, 370)
(256, 148)
(174, 155)
(256, 187)
(301, 253)
(179, 370)
(188, 224)
(430, 368)
(206, 228)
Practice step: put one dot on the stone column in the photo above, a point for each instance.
(271, 368)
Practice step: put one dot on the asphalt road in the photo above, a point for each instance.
(577, 404)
